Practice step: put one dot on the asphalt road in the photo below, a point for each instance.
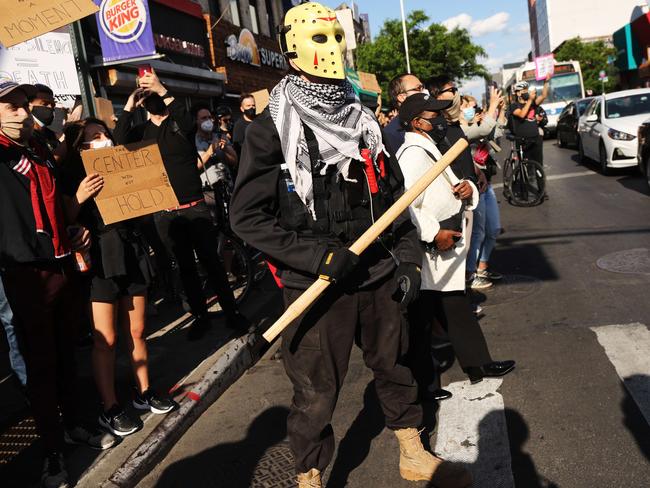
(563, 418)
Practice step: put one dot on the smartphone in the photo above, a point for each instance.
(143, 69)
(494, 85)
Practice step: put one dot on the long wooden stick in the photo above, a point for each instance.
(310, 295)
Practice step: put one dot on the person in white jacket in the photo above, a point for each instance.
(438, 214)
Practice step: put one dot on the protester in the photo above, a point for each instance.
(524, 120)
(299, 199)
(42, 105)
(188, 228)
(247, 108)
(224, 124)
(16, 360)
(40, 279)
(121, 274)
(439, 217)
(399, 88)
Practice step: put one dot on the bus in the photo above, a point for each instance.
(566, 85)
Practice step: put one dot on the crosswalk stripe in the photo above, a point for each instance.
(472, 430)
(627, 346)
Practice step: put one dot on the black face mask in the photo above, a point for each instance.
(45, 115)
(155, 105)
(525, 96)
(250, 113)
(439, 129)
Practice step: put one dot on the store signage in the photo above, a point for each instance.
(124, 29)
(179, 46)
(245, 50)
(24, 20)
(47, 59)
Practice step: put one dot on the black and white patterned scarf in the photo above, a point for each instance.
(337, 118)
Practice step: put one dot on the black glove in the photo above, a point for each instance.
(337, 264)
(408, 279)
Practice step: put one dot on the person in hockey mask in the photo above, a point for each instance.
(312, 178)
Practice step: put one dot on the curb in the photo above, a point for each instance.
(231, 365)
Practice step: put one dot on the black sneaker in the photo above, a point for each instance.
(152, 402)
(54, 473)
(118, 422)
(238, 322)
(96, 438)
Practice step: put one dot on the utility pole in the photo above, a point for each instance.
(83, 71)
(406, 40)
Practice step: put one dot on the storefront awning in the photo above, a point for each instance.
(628, 53)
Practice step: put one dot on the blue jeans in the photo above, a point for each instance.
(7, 318)
(486, 228)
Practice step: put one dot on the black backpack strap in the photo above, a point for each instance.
(319, 182)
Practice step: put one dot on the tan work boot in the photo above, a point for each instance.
(416, 464)
(310, 479)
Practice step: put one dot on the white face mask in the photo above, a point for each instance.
(100, 144)
(207, 125)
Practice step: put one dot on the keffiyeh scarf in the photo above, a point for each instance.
(337, 118)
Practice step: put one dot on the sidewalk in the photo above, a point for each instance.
(176, 364)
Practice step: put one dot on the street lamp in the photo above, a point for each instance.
(406, 41)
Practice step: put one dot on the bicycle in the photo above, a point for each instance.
(524, 181)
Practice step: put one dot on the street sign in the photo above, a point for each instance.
(605, 80)
(602, 74)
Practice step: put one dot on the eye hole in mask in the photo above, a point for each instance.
(319, 38)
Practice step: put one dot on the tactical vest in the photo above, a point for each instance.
(344, 208)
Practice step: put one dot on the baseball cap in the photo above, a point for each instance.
(7, 86)
(418, 103)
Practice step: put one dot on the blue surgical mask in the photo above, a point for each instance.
(469, 113)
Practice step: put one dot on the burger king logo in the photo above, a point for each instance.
(123, 20)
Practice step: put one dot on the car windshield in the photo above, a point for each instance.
(563, 88)
(582, 106)
(627, 106)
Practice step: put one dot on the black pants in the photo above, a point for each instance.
(188, 230)
(453, 311)
(316, 352)
(420, 359)
(534, 149)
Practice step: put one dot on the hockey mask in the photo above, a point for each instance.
(313, 38)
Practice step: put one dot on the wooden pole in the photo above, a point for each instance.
(367, 238)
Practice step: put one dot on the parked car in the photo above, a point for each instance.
(607, 130)
(643, 153)
(567, 122)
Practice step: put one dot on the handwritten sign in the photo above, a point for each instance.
(261, 100)
(22, 20)
(544, 66)
(135, 181)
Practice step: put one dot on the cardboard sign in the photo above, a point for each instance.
(261, 100)
(135, 181)
(105, 111)
(22, 20)
(544, 65)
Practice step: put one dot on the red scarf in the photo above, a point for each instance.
(35, 164)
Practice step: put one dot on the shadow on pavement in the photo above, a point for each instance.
(636, 183)
(633, 418)
(233, 463)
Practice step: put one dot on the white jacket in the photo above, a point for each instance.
(440, 271)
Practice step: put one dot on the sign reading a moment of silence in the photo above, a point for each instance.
(22, 20)
(135, 181)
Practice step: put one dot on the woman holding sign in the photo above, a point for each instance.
(120, 278)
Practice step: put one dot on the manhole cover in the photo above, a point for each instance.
(510, 289)
(275, 468)
(16, 439)
(635, 261)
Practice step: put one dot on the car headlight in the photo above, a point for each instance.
(617, 135)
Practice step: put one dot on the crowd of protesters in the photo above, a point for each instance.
(61, 266)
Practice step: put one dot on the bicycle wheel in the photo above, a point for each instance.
(238, 266)
(528, 184)
(507, 179)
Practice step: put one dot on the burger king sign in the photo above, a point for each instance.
(124, 29)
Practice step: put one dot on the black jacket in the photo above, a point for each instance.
(255, 217)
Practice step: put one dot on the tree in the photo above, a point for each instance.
(433, 50)
(593, 57)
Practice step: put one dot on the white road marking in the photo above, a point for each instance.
(627, 346)
(472, 430)
(558, 177)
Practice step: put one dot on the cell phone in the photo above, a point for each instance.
(494, 84)
(143, 69)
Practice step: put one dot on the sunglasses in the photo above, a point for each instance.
(418, 88)
(453, 90)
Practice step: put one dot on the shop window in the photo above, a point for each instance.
(234, 12)
(270, 19)
(252, 8)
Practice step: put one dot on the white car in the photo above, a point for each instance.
(608, 128)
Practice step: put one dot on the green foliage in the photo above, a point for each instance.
(433, 51)
(593, 58)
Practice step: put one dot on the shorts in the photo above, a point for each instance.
(109, 290)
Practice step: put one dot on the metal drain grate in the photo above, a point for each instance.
(275, 468)
(16, 439)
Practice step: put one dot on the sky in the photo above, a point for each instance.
(500, 26)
